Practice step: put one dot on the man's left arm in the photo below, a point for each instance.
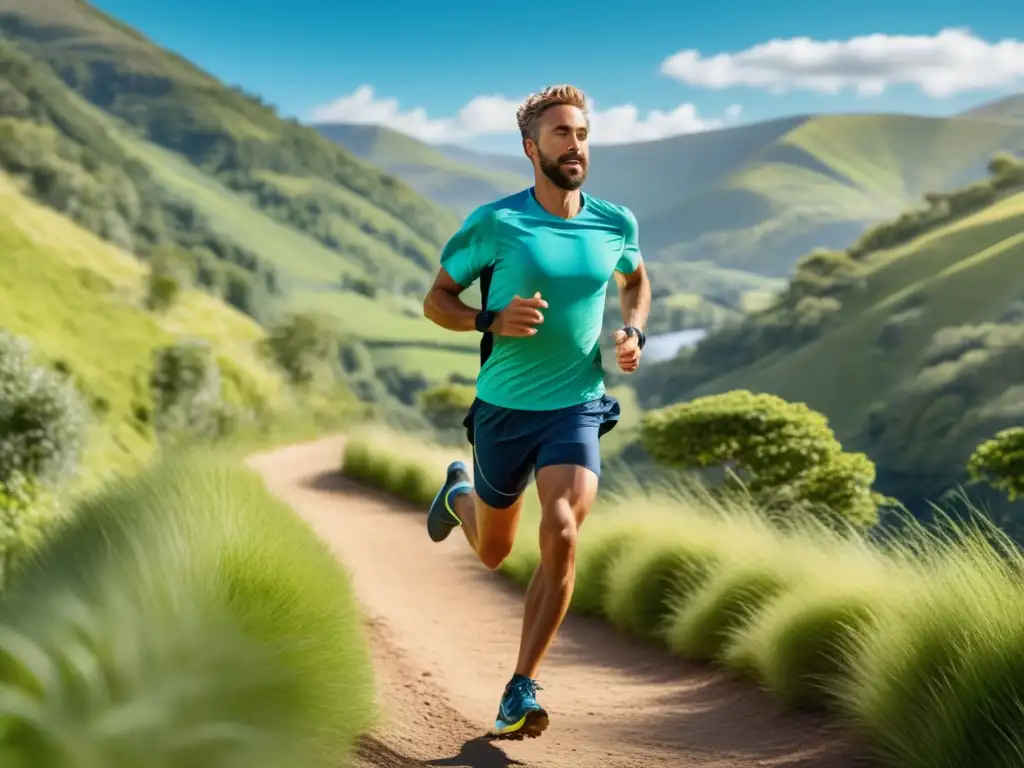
(634, 297)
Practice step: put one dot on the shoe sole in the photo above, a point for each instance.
(534, 725)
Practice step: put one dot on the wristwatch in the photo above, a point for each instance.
(634, 331)
(485, 319)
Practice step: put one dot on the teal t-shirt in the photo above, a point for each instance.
(520, 248)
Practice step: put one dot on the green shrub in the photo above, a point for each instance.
(185, 385)
(999, 461)
(42, 418)
(227, 623)
(305, 346)
(784, 452)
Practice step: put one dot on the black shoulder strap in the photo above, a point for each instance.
(487, 339)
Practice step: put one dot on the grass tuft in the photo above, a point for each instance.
(183, 617)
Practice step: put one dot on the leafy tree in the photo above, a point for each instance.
(782, 451)
(446, 405)
(186, 384)
(304, 345)
(999, 461)
(171, 270)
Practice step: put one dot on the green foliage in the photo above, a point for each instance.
(42, 418)
(786, 450)
(822, 283)
(186, 385)
(446, 405)
(290, 171)
(69, 162)
(229, 627)
(305, 345)
(999, 461)
(28, 511)
(170, 271)
(965, 389)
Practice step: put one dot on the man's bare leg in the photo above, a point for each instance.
(566, 492)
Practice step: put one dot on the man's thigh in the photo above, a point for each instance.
(504, 450)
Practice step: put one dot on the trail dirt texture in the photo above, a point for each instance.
(445, 635)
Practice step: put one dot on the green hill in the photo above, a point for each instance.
(459, 186)
(756, 197)
(80, 301)
(911, 341)
(1008, 108)
(143, 149)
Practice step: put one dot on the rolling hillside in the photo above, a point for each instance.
(459, 186)
(143, 149)
(80, 301)
(912, 348)
(755, 197)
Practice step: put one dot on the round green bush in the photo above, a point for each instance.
(42, 418)
(186, 387)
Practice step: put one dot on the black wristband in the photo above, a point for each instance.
(632, 330)
(485, 319)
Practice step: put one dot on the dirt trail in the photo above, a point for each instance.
(445, 633)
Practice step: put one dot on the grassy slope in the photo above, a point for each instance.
(185, 109)
(307, 268)
(460, 186)
(78, 299)
(969, 271)
(820, 184)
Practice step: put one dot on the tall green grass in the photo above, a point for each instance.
(918, 644)
(182, 619)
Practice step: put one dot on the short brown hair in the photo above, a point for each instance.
(552, 96)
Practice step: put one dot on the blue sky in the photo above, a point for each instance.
(306, 55)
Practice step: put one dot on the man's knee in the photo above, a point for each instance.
(558, 532)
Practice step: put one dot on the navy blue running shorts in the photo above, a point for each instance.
(510, 445)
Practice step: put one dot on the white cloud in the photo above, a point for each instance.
(492, 115)
(940, 65)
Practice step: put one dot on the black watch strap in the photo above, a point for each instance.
(485, 319)
(634, 331)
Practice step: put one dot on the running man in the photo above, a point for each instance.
(544, 257)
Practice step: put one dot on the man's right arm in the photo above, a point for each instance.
(471, 250)
(443, 306)
(466, 254)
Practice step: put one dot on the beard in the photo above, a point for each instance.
(553, 170)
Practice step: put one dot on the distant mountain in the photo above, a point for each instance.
(429, 170)
(757, 197)
(1009, 108)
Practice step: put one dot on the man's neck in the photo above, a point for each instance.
(555, 200)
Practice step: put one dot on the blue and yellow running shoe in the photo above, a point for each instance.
(519, 714)
(441, 517)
